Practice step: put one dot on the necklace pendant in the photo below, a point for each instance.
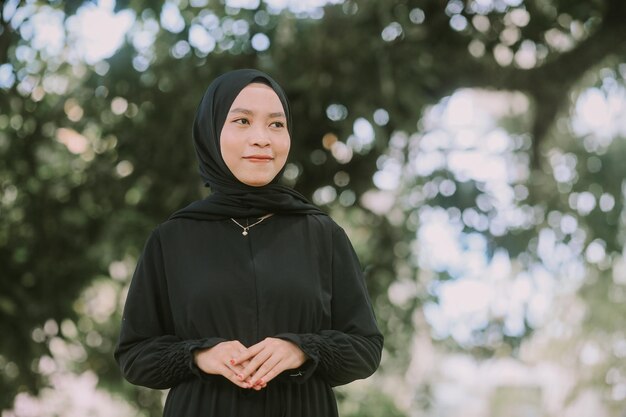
(248, 226)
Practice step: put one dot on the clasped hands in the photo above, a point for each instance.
(251, 367)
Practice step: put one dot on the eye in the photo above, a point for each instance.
(277, 124)
(242, 121)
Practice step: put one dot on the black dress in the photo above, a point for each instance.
(294, 277)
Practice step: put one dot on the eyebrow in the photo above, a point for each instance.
(250, 112)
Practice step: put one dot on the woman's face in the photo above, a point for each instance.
(254, 140)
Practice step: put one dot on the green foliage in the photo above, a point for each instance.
(367, 403)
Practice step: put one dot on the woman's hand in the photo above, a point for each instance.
(218, 360)
(268, 358)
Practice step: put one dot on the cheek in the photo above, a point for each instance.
(228, 149)
(285, 146)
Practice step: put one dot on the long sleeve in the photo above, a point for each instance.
(352, 348)
(148, 351)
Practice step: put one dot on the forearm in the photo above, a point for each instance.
(160, 362)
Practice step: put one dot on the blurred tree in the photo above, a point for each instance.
(94, 156)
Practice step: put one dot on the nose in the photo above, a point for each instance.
(259, 136)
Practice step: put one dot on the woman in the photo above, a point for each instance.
(250, 302)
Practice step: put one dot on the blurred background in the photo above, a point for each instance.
(474, 150)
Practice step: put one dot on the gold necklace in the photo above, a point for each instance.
(246, 228)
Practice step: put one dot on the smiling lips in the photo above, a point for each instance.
(258, 158)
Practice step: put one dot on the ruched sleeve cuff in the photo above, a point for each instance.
(325, 351)
(304, 372)
(173, 362)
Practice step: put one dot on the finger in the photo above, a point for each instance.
(259, 387)
(272, 373)
(267, 371)
(255, 363)
(232, 377)
(260, 345)
(224, 358)
(246, 354)
(235, 369)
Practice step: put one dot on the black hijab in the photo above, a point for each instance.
(229, 196)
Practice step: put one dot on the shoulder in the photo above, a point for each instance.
(324, 227)
(184, 231)
(319, 222)
(183, 225)
(324, 221)
(173, 225)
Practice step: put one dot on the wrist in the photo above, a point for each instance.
(196, 355)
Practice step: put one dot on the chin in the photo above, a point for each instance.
(256, 179)
(255, 182)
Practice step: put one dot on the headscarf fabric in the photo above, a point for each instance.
(229, 196)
